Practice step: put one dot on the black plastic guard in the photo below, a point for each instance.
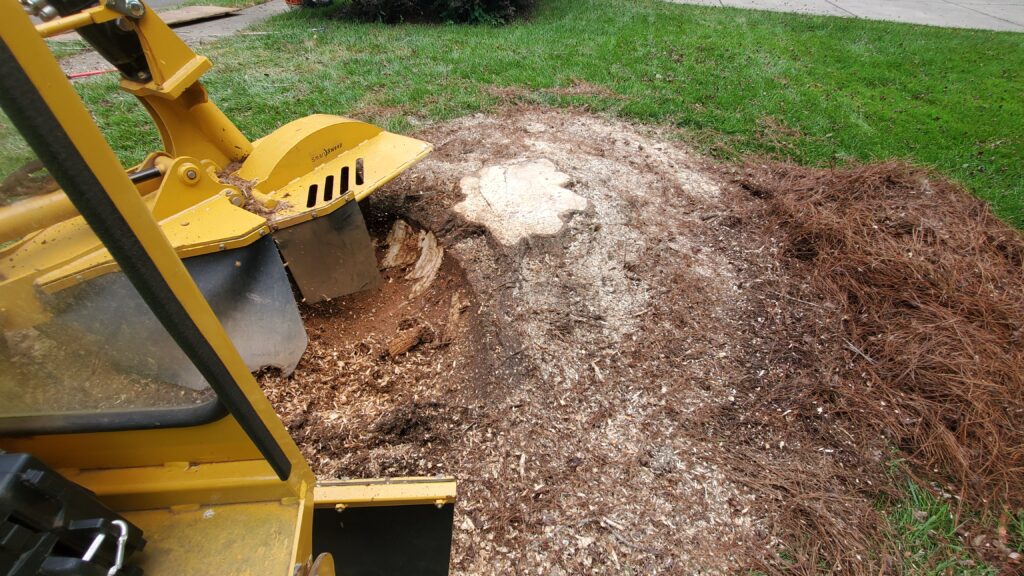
(386, 540)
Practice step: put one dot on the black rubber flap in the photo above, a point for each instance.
(386, 540)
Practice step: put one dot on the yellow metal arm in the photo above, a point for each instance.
(36, 213)
(95, 15)
(189, 123)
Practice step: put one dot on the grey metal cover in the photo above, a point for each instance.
(247, 288)
(330, 256)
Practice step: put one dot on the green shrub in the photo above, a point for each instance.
(462, 11)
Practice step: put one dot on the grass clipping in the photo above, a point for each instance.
(930, 289)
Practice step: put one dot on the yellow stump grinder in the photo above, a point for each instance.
(228, 206)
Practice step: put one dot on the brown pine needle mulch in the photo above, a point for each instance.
(929, 288)
(924, 296)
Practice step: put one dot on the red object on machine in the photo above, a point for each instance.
(89, 73)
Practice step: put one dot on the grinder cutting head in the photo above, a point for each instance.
(232, 209)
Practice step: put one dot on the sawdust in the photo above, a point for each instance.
(229, 176)
(605, 390)
(569, 449)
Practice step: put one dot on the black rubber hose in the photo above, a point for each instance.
(143, 175)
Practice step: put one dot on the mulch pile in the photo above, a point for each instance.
(919, 292)
(929, 286)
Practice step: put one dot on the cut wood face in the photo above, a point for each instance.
(519, 199)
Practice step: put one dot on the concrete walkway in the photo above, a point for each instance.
(1004, 15)
(195, 35)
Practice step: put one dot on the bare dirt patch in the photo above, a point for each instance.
(641, 391)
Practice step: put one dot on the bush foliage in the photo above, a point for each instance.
(461, 11)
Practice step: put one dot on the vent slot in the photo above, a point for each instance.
(359, 172)
(311, 196)
(344, 180)
(329, 188)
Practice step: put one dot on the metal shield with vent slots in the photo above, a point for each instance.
(330, 256)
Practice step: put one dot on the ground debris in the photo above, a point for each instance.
(402, 246)
(406, 340)
(427, 263)
(419, 250)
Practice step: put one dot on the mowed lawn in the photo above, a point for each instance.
(816, 90)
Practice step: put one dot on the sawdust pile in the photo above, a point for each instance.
(636, 373)
(556, 376)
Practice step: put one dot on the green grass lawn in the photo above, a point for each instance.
(65, 48)
(813, 89)
(923, 530)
